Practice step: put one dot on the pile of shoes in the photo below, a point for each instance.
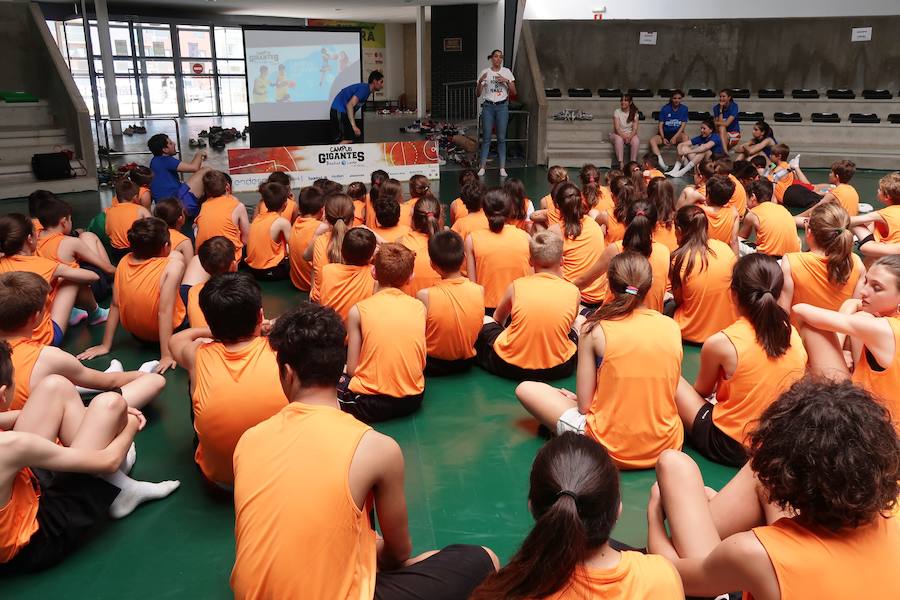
(219, 136)
(570, 114)
(133, 129)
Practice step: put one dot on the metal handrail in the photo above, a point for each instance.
(460, 102)
(106, 121)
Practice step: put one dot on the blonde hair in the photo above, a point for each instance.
(546, 250)
(829, 225)
(557, 174)
(889, 186)
(339, 214)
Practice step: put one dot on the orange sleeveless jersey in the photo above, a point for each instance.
(637, 576)
(37, 226)
(262, 251)
(25, 354)
(141, 191)
(215, 219)
(290, 208)
(176, 238)
(136, 287)
(706, 305)
(345, 285)
(195, 316)
(633, 413)
(44, 267)
(581, 254)
(666, 236)
(406, 211)
(370, 211)
(651, 174)
(470, 222)
(660, 260)
(287, 468)
(720, 224)
(615, 231)
(757, 381)
(553, 216)
(48, 247)
(233, 390)
(543, 310)
(777, 231)
(784, 183)
(319, 260)
(392, 356)
(119, 219)
(738, 199)
(809, 272)
(889, 231)
(359, 212)
(848, 197)
(423, 274)
(605, 201)
(457, 210)
(392, 234)
(454, 319)
(813, 562)
(883, 384)
(301, 234)
(18, 518)
(500, 258)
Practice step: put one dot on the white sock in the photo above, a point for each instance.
(129, 460)
(148, 366)
(133, 493)
(662, 163)
(114, 367)
(686, 168)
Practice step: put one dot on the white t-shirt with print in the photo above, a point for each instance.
(493, 90)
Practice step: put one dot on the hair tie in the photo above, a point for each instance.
(568, 493)
(631, 290)
(590, 180)
(429, 214)
(640, 213)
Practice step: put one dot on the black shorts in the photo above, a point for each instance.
(800, 196)
(341, 128)
(488, 359)
(438, 367)
(451, 574)
(279, 272)
(713, 443)
(117, 254)
(374, 408)
(71, 505)
(102, 288)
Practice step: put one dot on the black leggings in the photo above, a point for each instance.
(800, 196)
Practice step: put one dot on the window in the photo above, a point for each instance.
(194, 42)
(199, 97)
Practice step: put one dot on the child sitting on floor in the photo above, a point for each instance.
(723, 219)
(267, 254)
(539, 342)
(458, 208)
(386, 344)
(171, 211)
(289, 211)
(454, 308)
(122, 215)
(221, 214)
(234, 378)
(214, 257)
(773, 224)
(879, 229)
(311, 208)
(345, 284)
(145, 292)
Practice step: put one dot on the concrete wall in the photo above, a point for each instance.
(666, 9)
(781, 53)
(490, 30)
(409, 64)
(394, 60)
(460, 21)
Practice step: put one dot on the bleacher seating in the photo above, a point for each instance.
(701, 93)
(864, 118)
(740, 93)
(665, 92)
(640, 92)
(695, 115)
(770, 93)
(877, 94)
(788, 117)
(609, 93)
(818, 117)
(840, 94)
(894, 118)
(805, 94)
(579, 92)
(553, 92)
(750, 117)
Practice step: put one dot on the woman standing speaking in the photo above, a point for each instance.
(495, 85)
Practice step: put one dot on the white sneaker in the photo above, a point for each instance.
(795, 162)
(503, 173)
(865, 208)
(674, 171)
(481, 172)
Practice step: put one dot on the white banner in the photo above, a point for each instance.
(343, 163)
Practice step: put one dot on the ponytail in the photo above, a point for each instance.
(756, 283)
(590, 185)
(829, 225)
(624, 195)
(516, 191)
(496, 208)
(567, 199)
(662, 194)
(426, 216)
(14, 231)
(574, 496)
(641, 223)
(630, 277)
(339, 214)
(691, 223)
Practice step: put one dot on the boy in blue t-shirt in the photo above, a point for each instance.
(673, 118)
(346, 103)
(697, 148)
(166, 167)
(725, 115)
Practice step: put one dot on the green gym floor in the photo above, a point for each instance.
(468, 456)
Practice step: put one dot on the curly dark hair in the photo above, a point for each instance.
(829, 452)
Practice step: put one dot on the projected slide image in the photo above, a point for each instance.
(302, 74)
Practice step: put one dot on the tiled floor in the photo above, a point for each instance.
(468, 455)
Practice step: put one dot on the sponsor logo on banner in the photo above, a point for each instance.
(343, 163)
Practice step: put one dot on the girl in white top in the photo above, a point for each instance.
(625, 129)
(495, 84)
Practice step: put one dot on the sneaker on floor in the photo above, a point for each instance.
(481, 172)
(98, 316)
(503, 173)
(865, 207)
(795, 162)
(128, 131)
(77, 316)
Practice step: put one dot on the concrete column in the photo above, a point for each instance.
(106, 58)
(420, 61)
